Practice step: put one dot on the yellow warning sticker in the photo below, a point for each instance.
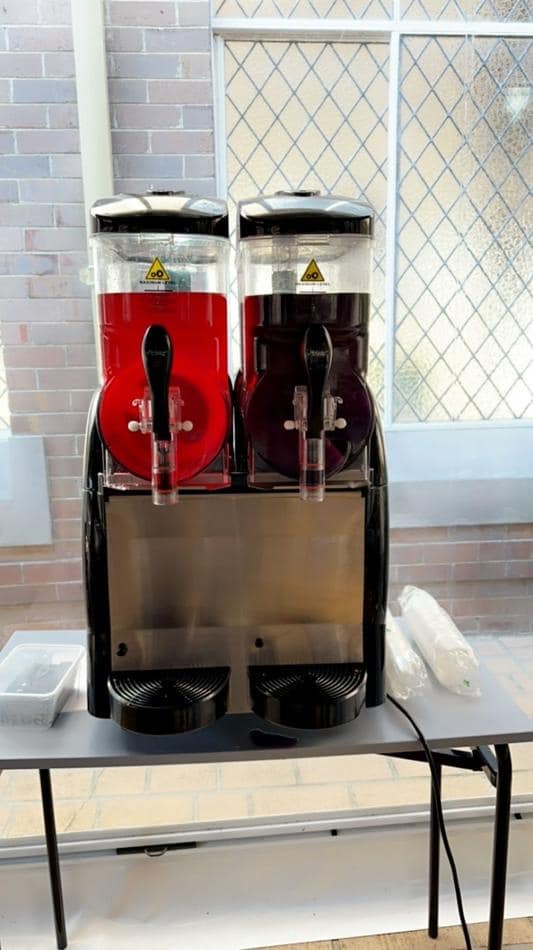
(312, 273)
(157, 271)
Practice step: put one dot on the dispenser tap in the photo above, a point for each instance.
(157, 362)
(317, 357)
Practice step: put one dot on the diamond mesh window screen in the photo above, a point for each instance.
(466, 10)
(323, 9)
(464, 322)
(312, 115)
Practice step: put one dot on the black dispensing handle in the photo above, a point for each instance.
(317, 355)
(157, 362)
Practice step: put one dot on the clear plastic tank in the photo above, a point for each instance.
(305, 263)
(161, 280)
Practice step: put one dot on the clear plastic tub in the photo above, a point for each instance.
(35, 682)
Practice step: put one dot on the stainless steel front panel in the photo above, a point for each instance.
(235, 580)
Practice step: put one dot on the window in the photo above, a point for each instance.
(429, 124)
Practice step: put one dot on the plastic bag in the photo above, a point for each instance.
(442, 645)
(405, 671)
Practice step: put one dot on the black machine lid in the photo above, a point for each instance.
(303, 212)
(171, 211)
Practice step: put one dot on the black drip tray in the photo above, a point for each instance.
(310, 696)
(164, 702)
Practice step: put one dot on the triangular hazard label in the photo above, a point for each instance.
(312, 273)
(157, 271)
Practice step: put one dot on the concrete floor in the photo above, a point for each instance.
(138, 797)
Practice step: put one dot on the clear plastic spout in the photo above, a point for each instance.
(164, 471)
(312, 468)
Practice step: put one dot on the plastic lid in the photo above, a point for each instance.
(303, 212)
(173, 212)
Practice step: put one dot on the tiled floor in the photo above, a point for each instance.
(518, 935)
(97, 799)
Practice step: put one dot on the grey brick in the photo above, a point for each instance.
(124, 39)
(3, 37)
(69, 216)
(141, 13)
(200, 186)
(193, 14)
(9, 191)
(181, 92)
(148, 166)
(24, 166)
(177, 41)
(7, 143)
(137, 186)
(20, 64)
(28, 264)
(11, 239)
(50, 191)
(147, 116)
(198, 117)
(55, 12)
(41, 39)
(44, 90)
(23, 117)
(46, 333)
(45, 141)
(128, 90)
(59, 65)
(199, 166)
(63, 116)
(49, 311)
(12, 288)
(17, 215)
(5, 90)
(196, 66)
(57, 286)
(140, 66)
(82, 354)
(182, 142)
(72, 262)
(19, 11)
(66, 166)
(129, 142)
(55, 239)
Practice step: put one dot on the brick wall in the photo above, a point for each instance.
(162, 119)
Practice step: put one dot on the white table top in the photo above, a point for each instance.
(78, 740)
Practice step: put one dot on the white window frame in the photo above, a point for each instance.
(419, 453)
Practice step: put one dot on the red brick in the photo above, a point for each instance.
(450, 553)
(406, 553)
(417, 535)
(65, 508)
(68, 378)
(479, 571)
(60, 445)
(70, 593)
(520, 531)
(520, 569)
(28, 595)
(65, 488)
(39, 400)
(477, 532)
(421, 573)
(10, 574)
(68, 529)
(48, 423)
(65, 465)
(48, 572)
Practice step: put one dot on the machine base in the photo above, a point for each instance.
(165, 702)
(310, 696)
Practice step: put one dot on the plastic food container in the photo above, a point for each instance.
(35, 682)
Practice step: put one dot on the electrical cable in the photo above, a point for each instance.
(440, 820)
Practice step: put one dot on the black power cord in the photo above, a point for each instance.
(440, 820)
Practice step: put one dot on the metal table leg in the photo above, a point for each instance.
(434, 859)
(53, 857)
(500, 846)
